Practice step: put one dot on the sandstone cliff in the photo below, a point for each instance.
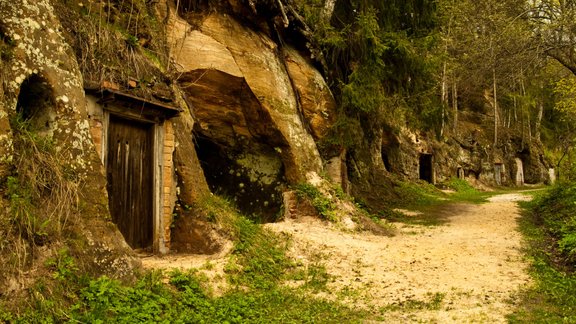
(232, 103)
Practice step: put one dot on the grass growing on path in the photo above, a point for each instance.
(552, 298)
(432, 204)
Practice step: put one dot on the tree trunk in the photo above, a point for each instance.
(495, 106)
(529, 126)
(539, 119)
(455, 104)
(444, 98)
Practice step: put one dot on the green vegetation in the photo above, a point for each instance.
(418, 194)
(378, 59)
(431, 203)
(433, 303)
(464, 192)
(256, 272)
(323, 205)
(421, 195)
(116, 40)
(42, 194)
(555, 212)
(548, 226)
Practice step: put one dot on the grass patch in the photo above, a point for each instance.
(324, 205)
(427, 216)
(433, 302)
(552, 299)
(256, 271)
(432, 204)
(418, 195)
(464, 192)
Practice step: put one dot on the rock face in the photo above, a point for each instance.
(259, 108)
(316, 101)
(253, 110)
(43, 84)
(468, 155)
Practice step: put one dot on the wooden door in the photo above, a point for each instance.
(498, 173)
(130, 179)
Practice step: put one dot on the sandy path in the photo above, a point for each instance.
(473, 261)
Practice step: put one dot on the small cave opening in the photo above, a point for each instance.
(251, 176)
(426, 168)
(386, 161)
(472, 174)
(531, 174)
(36, 103)
(460, 173)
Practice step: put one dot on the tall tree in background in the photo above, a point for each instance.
(554, 23)
(490, 50)
(379, 54)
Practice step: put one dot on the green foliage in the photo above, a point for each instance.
(30, 225)
(256, 270)
(42, 191)
(132, 41)
(260, 256)
(465, 192)
(417, 194)
(565, 90)
(115, 40)
(556, 212)
(323, 205)
(460, 185)
(63, 265)
(380, 56)
(552, 298)
(434, 302)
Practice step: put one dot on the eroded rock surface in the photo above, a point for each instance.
(258, 107)
(42, 66)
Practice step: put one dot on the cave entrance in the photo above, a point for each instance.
(386, 161)
(460, 173)
(252, 176)
(36, 103)
(426, 168)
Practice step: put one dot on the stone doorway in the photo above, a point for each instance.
(460, 173)
(135, 140)
(426, 171)
(519, 172)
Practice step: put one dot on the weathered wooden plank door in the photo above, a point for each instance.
(130, 179)
(498, 173)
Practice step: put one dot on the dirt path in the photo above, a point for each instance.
(467, 270)
(471, 266)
